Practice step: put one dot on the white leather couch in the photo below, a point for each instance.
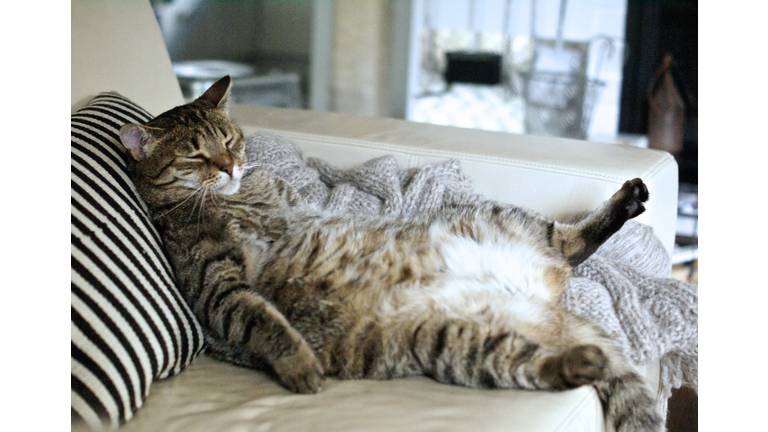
(117, 46)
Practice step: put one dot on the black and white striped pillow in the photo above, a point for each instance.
(130, 325)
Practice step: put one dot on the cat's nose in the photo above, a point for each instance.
(227, 167)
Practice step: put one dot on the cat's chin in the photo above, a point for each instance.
(229, 188)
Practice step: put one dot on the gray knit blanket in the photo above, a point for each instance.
(624, 286)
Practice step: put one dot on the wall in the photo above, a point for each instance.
(360, 56)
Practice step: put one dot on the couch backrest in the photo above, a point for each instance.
(117, 46)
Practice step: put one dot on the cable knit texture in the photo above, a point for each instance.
(624, 286)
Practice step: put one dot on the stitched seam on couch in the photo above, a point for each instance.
(589, 400)
(668, 159)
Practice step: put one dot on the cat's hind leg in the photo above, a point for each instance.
(472, 353)
(477, 353)
(578, 241)
(450, 349)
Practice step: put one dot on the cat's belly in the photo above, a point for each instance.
(509, 278)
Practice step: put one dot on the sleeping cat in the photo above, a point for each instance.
(467, 295)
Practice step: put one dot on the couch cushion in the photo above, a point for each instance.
(130, 325)
(216, 396)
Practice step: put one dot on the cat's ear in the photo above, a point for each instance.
(136, 139)
(218, 93)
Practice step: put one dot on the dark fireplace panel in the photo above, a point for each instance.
(655, 29)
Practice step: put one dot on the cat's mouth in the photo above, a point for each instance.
(229, 183)
(230, 187)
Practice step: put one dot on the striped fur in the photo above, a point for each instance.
(468, 295)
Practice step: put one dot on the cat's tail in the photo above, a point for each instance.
(628, 404)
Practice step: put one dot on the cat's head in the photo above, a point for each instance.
(193, 147)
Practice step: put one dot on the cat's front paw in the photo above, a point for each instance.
(630, 198)
(300, 372)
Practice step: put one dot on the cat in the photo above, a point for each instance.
(467, 295)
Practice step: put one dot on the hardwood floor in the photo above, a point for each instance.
(687, 272)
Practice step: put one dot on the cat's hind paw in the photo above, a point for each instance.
(583, 365)
(631, 196)
(578, 366)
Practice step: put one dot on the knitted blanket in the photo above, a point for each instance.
(623, 286)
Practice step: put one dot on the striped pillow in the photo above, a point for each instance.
(130, 325)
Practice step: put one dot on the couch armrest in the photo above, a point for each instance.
(551, 175)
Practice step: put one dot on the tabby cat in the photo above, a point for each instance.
(468, 295)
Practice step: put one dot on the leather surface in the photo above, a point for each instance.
(215, 396)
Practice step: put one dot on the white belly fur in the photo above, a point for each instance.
(508, 276)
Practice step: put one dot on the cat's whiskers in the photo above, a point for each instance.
(213, 199)
(197, 200)
(179, 204)
(201, 212)
(251, 165)
(152, 192)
